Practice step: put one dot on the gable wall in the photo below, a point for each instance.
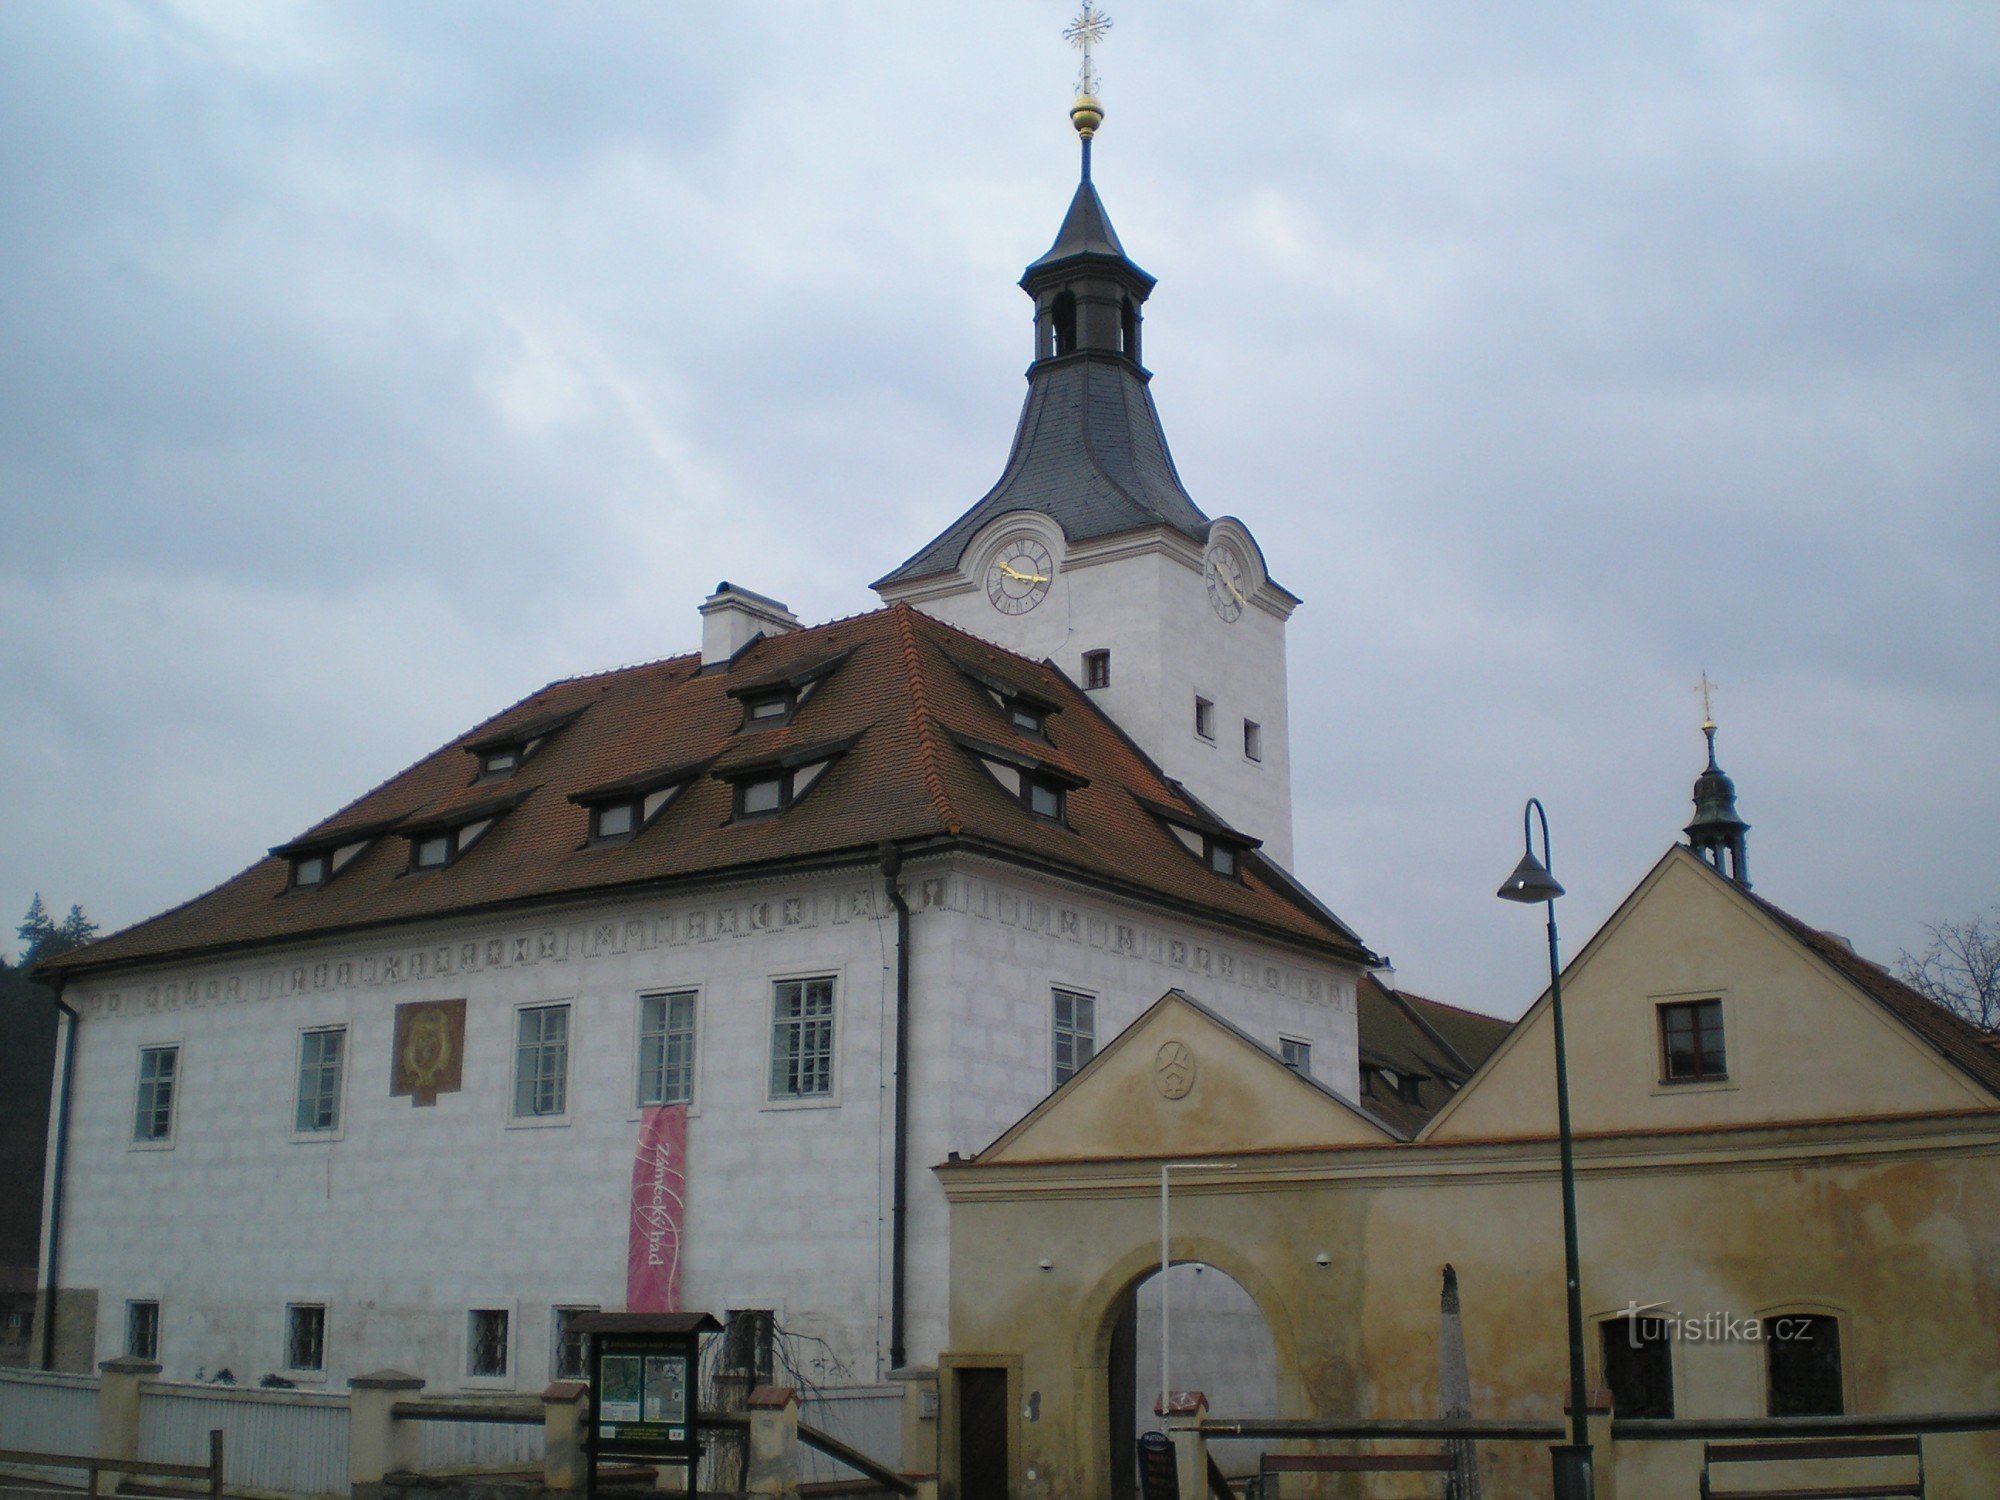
(1801, 1043)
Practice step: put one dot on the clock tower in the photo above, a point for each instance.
(1090, 553)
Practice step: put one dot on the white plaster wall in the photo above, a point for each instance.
(1145, 599)
(412, 1216)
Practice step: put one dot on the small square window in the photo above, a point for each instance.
(1691, 1045)
(570, 1355)
(317, 1107)
(305, 1336)
(309, 869)
(764, 794)
(142, 1330)
(1023, 717)
(499, 762)
(666, 1048)
(769, 708)
(541, 1062)
(1221, 858)
(432, 852)
(1297, 1055)
(486, 1343)
(1204, 718)
(614, 820)
(1075, 1018)
(153, 1118)
(1097, 669)
(1253, 740)
(1045, 799)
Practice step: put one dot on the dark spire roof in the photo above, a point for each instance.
(1089, 452)
(1086, 234)
(1717, 830)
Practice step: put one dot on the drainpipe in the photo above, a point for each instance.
(899, 1200)
(52, 1275)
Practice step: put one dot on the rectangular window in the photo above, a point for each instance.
(486, 1343)
(153, 1120)
(1253, 740)
(666, 1048)
(1075, 1033)
(318, 1105)
(802, 1039)
(1802, 1354)
(1691, 1042)
(142, 1330)
(431, 853)
(541, 1062)
(1045, 799)
(1097, 669)
(1204, 718)
(614, 819)
(765, 794)
(305, 1336)
(570, 1355)
(1298, 1055)
(1639, 1366)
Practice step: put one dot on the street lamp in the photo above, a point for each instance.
(1532, 882)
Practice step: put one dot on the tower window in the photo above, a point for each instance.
(1128, 329)
(1204, 718)
(1062, 323)
(1297, 1055)
(1253, 740)
(1097, 669)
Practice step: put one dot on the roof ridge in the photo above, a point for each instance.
(920, 721)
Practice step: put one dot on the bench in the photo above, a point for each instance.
(1809, 1450)
(1271, 1465)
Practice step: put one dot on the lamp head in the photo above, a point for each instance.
(1531, 882)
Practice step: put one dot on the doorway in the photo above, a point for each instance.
(982, 1432)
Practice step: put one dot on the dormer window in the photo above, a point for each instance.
(318, 858)
(1025, 710)
(436, 842)
(1043, 789)
(776, 698)
(1219, 847)
(764, 788)
(502, 754)
(620, 809)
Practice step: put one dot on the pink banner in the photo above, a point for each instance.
(659, 1178)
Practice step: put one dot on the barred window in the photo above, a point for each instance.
(666, 1048)
(153, 1119)
(320, 1056)
(802, 1039)
(142, 1330)
(486, 1343)
(1075, 1033)
(571, 1359)
(541, 1062)
(305, 1336)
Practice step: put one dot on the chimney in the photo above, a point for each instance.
(732, 617)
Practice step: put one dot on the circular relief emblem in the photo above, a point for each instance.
(1173, 1069)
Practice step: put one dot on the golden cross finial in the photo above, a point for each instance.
(1084, 33)
(1707, 688)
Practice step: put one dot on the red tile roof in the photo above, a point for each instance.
(898, 696)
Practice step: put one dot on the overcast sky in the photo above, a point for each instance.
(364, 367)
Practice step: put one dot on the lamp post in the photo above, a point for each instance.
(1533, 881)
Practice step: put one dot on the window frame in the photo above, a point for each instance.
(1300, 1064)
(1097, 669)
(1769, 1319)
(667, 994)
(1204, 718)
(163, 1140)
(294, 1370)
(1253, 742)
(559, 1312)
(504, 1377)
(338, 1128)
(1086, 1033)
(1694, 1007)
(567, 1043)
(1617, 1328)
(819, 1099)
(151, 1322)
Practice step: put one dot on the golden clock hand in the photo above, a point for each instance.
(1234, 589)
(1020, 577)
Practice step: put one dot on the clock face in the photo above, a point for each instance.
(1225, 572)
(1018, 577)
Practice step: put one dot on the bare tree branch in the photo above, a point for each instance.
(1960, 970)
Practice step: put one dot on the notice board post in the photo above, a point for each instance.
(645, 1385)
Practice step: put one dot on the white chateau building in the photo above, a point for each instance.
(857, 896)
